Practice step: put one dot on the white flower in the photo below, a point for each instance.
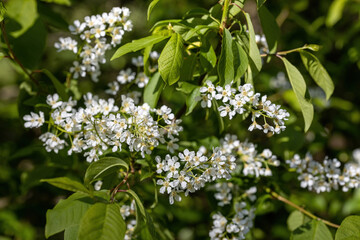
(172, 166)
(209, 88)
(52, 142)
(226, 110)
(91, 21)
(113, 88)
(53, 101)
(182, 180)
(138, 62)
(154, 55)
(34, 120)
(254, 125)
(77, 70)
(174, 196)
(67, 44)
(224, 93)
(205, 100)
(165, 185)
(126, 76)
(98, 30)
(125, 211)
(356, 155)
(128, 26)
(141, 80)
(98, 185)
(77, 28)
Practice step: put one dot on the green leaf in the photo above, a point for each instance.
(144, 222)
(299, 86)
(139, 206)
(60, 88)
(270, 27)
(147, 51)
(163, 23)
(219, 118)
(295, 220)
(103, 167)
(186, 87)
(236, 7)
(145, 174)
(71, 232)
(2, 55)
(102, 222)
(260, 3)
(313, 230)
(188, 68)
(171, 59)
(2, 11)
(312, 47)
(349, 229)
(29, 47)
(198, 30)
(23, 12)
(317, 72)
(140, 210)
(226, 65)
(335, 12)
(191, 100)
(153, 90)
(67, 184)
(52, 18)
(138, 44)
(241, 61)
(196, 12)
(207, 54)
(254, 52)
(67, 214)
(60, 2)
(150, 8)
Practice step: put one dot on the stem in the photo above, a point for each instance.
(116, 189)
(224, 15)
(12, 55)
(282, 199)
(283, 53)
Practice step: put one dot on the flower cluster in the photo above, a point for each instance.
(128, 214)
(248, 159)
(130, 77)
(102, 125)
(325, 176)
(190, 170)
(244, 100)
(93, 32)
(225, 192)
(237, 228)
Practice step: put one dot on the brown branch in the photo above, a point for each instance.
(288, 202)
(116, 189)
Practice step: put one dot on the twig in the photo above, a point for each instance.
(282, 199)
(116, 189)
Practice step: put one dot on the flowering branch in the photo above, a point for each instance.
(282, 199)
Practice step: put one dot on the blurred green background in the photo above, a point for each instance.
(335, 131)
